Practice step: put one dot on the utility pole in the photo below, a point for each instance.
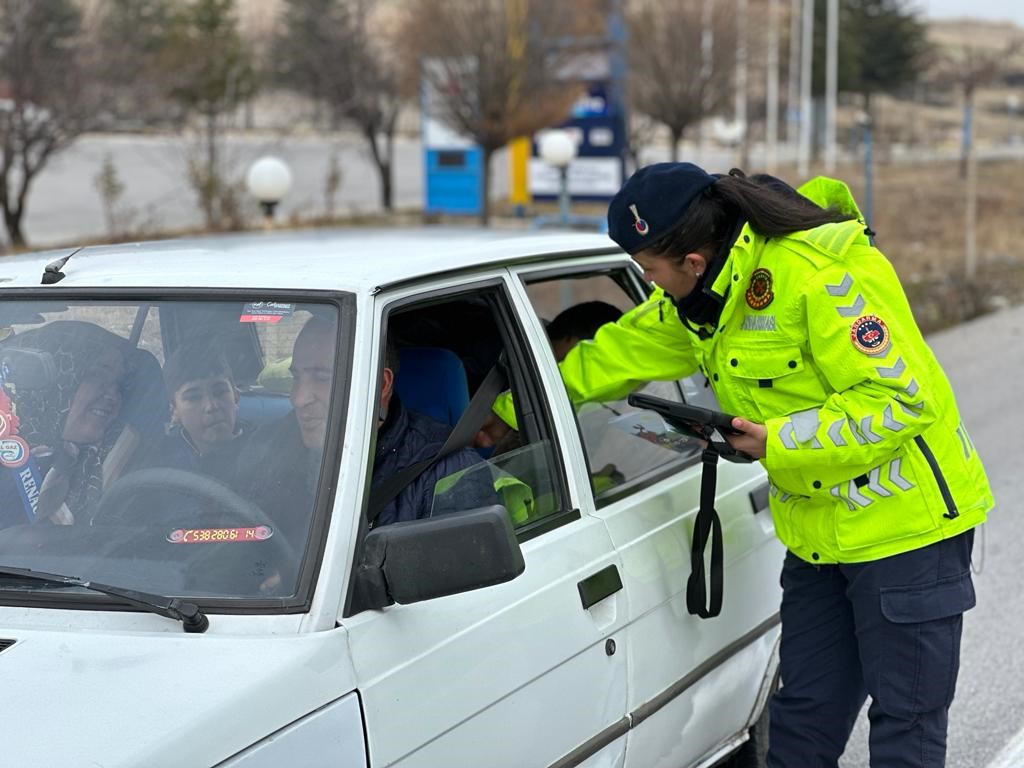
(831, 82)
(707, 43)
(741, 82)
(793, 90)
(771, 133)
(806, 108)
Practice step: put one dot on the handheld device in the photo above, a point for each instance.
(700, 423)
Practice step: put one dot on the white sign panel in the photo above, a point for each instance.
(596, 176)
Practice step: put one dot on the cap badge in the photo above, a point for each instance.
(641, 225)
(870, 335)
(759, 294)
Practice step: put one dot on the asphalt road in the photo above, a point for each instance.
(984, 359)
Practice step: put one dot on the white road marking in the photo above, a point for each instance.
(1012, 755)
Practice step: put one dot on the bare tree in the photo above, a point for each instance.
(668, 77)
(211, 73)
(326, 50)
(44, 106)
(499, 68)
(127, 39)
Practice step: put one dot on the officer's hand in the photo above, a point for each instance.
(492, 431)
(753, 441)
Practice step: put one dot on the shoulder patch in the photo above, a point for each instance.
(870, 335)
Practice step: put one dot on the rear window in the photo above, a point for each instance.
(173, 447)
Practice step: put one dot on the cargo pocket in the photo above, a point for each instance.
(774, 377)
(923, 624)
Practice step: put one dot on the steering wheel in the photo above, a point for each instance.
(113, 506)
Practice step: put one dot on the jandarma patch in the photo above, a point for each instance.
(870, 335)
(759, 294)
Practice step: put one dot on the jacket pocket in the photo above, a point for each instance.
(774, 377)
(892, 501)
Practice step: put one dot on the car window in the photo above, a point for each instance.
(139, 447)
(445, 348)
(626, 447)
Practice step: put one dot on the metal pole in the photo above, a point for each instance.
(707, 43)
(741, 80)
(793, 89)
(806, 108)
(563, 194)
(831, 82)
(868, 174)
(971, 218)
(771, 137)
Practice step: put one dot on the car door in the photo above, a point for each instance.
(693, 683)
(522, 673)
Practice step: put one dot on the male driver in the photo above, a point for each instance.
(285, 485)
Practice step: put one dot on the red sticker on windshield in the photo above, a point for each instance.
(265, 312)
(219, 535)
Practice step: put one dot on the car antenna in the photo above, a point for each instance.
(52, 274)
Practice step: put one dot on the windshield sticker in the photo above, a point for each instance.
(13, 452)
(218, 535)
(265, 312)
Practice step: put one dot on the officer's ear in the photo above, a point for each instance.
(696, 263)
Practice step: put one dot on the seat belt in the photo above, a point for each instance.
(469, 423)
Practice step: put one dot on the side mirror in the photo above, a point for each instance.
(423, 559)
(28, 368)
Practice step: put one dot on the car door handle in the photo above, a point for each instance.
(759, 498)
(597, 587)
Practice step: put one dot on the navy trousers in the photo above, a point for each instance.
(889, 629)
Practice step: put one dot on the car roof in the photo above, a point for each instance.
(351, 259)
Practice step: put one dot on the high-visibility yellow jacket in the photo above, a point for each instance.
(867, 455)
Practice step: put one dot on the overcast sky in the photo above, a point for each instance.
(985, 9)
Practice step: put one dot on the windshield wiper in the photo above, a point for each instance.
(191, 617)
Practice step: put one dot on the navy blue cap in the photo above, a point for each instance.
(652, 202)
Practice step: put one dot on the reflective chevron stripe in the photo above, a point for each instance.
(805, 424)
(963, 442)
(834, 490)
(835, 433)
(853, 310)
(910, 410)
(856, 496)
(786, 436)
(856, 432)
(896, 478)
(843, 288)
(874, 485)
(889, 422)
(865, 428)
(895, 372)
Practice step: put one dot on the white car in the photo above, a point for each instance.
(195, 581)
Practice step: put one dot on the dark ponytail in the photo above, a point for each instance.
(770, 206)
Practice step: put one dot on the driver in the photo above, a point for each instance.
(296, 442)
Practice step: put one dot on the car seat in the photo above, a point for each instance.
(432, 381)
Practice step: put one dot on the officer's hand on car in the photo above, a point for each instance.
(753, 441)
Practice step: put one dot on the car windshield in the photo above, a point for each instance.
(173, 447)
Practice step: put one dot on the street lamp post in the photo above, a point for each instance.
(268, 180)
(557, 148)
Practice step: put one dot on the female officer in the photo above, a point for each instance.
(803, 331)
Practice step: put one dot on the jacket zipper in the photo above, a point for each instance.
(951, 512)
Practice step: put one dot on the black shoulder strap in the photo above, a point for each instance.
(461, 435)
(699, 599)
